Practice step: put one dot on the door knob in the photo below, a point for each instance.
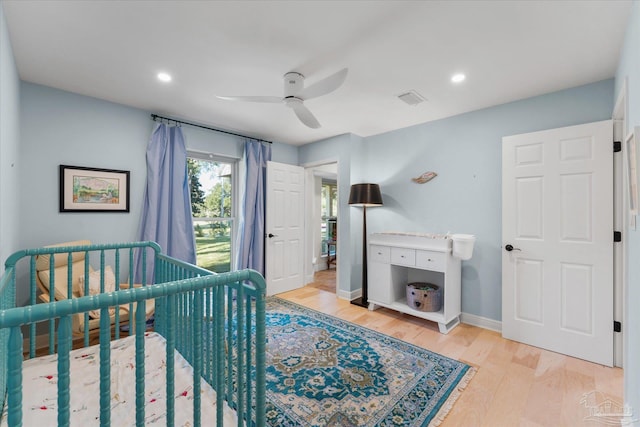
(510, 248)
(271, 236)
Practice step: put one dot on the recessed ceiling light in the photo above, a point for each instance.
(164, 77)
(457, 78)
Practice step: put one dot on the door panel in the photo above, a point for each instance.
(529, 202)
(528, 291)
(577, 205)
(557, 201)
(284, 227)
(577, 292)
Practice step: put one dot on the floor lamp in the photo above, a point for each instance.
(364, 195)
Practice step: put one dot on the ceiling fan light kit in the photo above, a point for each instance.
(295, 94)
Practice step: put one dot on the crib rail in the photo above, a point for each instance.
(215, 321)
(232, 337)
(65, 284)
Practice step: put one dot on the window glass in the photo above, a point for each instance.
(211, 183)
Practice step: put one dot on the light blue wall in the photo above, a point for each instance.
(466, 153)
(60, 127)
(284, 153)
(232, 146)
(629, 68)
(10, 164)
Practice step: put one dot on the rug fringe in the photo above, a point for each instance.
(455, 394)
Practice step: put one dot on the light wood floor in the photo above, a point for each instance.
(515, 384)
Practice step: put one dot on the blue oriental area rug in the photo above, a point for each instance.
(323, 371)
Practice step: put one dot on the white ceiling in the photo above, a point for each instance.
(509, 50)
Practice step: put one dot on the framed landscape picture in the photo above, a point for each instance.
(85, 189)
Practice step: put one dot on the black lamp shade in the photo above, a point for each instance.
(365, 195)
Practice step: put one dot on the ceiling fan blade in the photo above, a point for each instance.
(324, 86)
(267, 99)
(304, 114)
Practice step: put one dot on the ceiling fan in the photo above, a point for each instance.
(295, 94)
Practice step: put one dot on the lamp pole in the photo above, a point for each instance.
(364, 195)
(363, 301)
(365, 282)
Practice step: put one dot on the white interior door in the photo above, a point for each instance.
(557, 214)
(284, 227)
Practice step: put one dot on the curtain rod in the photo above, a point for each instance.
(156, 118)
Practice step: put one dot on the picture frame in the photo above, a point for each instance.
(85, 189)
(630, 150)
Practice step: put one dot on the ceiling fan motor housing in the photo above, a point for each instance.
(293, 83)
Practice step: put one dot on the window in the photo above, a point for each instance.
(213, 205)
(329, 210)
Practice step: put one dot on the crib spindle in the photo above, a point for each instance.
(105, 368)
(250, 386)
(240, 354)
(86, 292)
(260, 339)
(15, 377)
(197, 360)
(52, 325)
(131, 279)
(117, 276)
(170, 323)
(228, 322)
(64, 347)
(32, 298)
(220, 351)
(140, 331)
(207, 334)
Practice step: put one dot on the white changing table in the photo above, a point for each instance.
(396, 259)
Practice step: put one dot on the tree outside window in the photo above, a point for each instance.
(212, 206)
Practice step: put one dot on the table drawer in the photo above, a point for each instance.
(403, 256)
(380, 254)
(435, 261)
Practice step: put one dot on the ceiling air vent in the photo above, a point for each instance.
(412, 97)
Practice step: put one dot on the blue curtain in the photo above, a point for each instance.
(166, 213)
(251, 229)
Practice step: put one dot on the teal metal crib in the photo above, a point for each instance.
(215, 321)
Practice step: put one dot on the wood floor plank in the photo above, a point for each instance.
(515, 384)
(478, 351)
(543, 395)
(510, 398)
(577, 387)
(472, 406)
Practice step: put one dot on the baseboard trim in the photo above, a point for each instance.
(349, 295)
(481, 322)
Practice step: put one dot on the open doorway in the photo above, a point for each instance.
(322, 226)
